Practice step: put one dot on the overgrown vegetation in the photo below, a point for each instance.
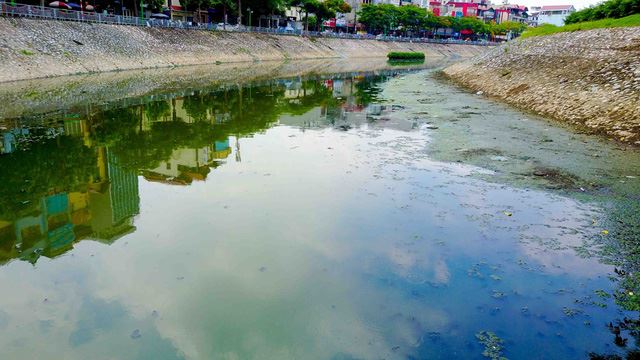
(397, 55)
(548, 29)
(612, 9)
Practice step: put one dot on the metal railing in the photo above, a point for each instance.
(39, 12)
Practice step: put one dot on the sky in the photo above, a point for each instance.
(579, 4)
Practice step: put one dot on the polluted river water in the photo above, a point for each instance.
(383, 214)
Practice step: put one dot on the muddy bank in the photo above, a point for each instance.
(40, 48)
(588, 78)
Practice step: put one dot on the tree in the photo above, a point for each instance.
(312, 21)
(308, 6)
(507, 26)
(324, 12)
(226, 5)
(338, 6)
(379, 18)
(154, 5)
(412, 18)
(609, 9)
(193, 5)
(470, 24)
(264, 7)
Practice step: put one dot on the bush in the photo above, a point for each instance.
(396, 55)
(612, 9)
(548, 29)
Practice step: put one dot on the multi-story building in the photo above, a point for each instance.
(552, 14)
(511, 12)
(461, 8)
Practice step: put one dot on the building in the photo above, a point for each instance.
(187, 165)
(103, 211)
(510, 12)
(462, 8)
(553, 14)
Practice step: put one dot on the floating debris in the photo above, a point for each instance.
(603, 294)
(571, 312)
(492, 345)
(498, 294)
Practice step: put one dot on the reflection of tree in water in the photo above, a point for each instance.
(157, 110)
(129, 141)
(314, 94)
(59, 164)
(366, 90)
(65, 163)
(232, 111)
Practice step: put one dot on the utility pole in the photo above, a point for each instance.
(239, 12)
(355, 22)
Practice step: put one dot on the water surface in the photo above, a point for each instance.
(377, 215)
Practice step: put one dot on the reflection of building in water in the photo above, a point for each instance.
(104, 211)
(186, 165)
(10, 140)
(113, 209)
(313, 118)
(341, 106)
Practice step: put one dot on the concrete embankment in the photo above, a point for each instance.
(41, 48)
(49, 95)
(587, 78)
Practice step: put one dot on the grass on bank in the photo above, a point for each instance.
(548, 29)
(397, 55)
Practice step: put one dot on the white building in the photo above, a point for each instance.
(554, 14)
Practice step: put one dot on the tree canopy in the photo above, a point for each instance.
(609, 9)
(384, 17)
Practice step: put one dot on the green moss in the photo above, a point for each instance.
(26, 52)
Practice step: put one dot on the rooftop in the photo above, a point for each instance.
(556, 7)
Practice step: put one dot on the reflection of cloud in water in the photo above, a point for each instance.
(237, 292)
(360, 251)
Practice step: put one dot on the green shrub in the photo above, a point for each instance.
(548, 29)
(611, 9)
(396, 55)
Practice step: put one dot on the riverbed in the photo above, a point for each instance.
(383, 214)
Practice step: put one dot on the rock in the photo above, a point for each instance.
(587, 78)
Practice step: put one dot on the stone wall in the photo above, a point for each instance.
(42, 48)
(587, 78)
(49, 95)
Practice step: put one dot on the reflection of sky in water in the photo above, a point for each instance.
(364, 253)
(322, 244)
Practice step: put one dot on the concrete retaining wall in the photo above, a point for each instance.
(587, 78)
(42, 48)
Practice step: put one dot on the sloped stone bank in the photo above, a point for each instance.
(41, 48)
(587, 78)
